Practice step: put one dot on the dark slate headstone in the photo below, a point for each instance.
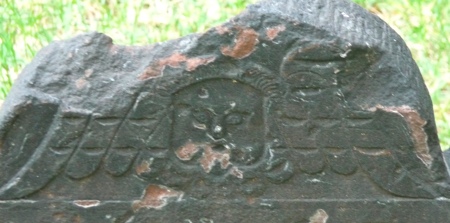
(293, 111)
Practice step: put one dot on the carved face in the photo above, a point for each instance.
(218, 122)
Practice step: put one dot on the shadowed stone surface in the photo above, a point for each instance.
(293, 111)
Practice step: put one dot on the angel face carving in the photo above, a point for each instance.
(218, 124)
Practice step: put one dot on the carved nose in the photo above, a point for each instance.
(217, 129)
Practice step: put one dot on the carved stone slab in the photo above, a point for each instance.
(293, 111)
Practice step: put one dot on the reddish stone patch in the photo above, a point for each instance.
(193, 63)
(210, 158)
(273, 32)
(156, 69)
(144, 167)
(156, 197)
(150, 72)
(416, 125)
(176, 60)
(244, 45)
(187, 151)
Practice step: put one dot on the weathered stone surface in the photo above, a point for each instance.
(294, 111)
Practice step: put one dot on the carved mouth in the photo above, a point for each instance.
(219, 147)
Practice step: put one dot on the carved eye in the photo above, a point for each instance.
(234, 119)
(201, 115)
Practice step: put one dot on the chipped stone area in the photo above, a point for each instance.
(319, 217)
(245, 44)
(187, 151)
(86, 203)
(273, 32)
(193, 63)
(157, 197)
(176, 60)
(209, 157)
(144, 167)
(416, 125)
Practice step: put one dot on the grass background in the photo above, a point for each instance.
(28, 25)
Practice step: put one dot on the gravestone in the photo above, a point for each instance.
(293, 111)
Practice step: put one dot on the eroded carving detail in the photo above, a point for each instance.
(416, 124)
(241, 127)
(219, 131)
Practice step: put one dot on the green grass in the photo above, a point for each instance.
(28, 25)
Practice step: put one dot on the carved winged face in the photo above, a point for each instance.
(218, 122)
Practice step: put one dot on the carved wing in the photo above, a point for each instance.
(93, 147)
(50, 138)
(115, 142)
(75, 142)
(390, 162)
